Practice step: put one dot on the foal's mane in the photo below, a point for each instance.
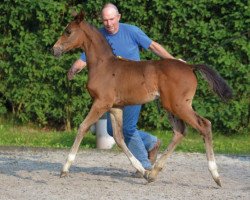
(92, 33)
(95, 36)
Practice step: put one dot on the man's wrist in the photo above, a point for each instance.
(181, 60)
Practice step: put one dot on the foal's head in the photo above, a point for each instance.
(71, 37)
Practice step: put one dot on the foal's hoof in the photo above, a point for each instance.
(137, 174)
(218, 181)
(64, 174)
(148, 176)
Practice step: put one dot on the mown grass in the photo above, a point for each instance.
(224, 144)
(34, 137)
(28, 136)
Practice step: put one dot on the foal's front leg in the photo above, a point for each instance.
(116, 119)
(96, 111)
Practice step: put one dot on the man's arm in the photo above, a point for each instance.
(77, 66)
(159, 50)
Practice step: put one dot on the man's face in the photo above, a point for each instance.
(110, 20)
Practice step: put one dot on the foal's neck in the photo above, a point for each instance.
(95, 45)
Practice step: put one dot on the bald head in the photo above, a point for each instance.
(110, 7)
(110, 18)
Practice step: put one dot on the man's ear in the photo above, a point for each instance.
(119, 16)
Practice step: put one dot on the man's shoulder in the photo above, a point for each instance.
(128, 26)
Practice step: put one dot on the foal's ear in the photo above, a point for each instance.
(73, 13)
(78, 17)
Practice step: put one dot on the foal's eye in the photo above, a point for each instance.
(67, 32)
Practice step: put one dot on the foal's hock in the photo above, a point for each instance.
(114, 83)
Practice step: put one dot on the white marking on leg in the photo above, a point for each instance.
(213, 168)
(71, 158)
(212, 165)
(137, 164)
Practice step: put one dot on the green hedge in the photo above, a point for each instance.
(34, 87)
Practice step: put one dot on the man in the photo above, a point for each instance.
(126, 40)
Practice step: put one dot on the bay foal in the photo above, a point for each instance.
(114, 83)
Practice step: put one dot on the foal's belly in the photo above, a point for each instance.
(136, 97)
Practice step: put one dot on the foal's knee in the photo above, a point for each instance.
(83, 128)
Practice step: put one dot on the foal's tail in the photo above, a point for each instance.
(216, 82)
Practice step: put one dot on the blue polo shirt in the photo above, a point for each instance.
(126, 42)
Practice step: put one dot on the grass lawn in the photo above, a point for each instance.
(28, 136)
(193, 142)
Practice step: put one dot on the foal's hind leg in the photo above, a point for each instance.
(187, 114)
(97, 110)
(116, 119)
(179, 132)
(204, 126)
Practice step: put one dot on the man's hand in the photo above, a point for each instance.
(181, 60)
(76, 67)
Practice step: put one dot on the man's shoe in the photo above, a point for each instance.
(152, 154)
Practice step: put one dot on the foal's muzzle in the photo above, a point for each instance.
(57, 51)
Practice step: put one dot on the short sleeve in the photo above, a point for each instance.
(83, 57)
(142, 39)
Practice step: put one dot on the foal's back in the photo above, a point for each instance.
(137, 82)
